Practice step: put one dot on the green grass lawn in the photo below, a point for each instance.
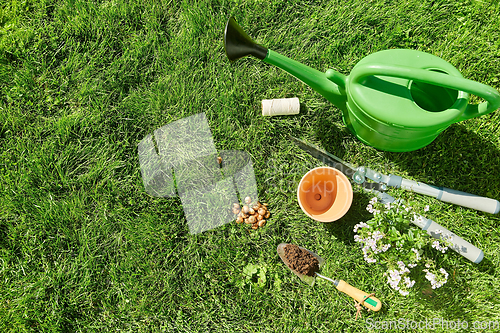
(83, 247)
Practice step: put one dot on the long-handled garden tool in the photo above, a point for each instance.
(381, 181)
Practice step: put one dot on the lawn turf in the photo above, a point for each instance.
(84, 248)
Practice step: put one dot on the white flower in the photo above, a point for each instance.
(409, 282)
(444, 272)
(370, 242)
(385, 247)
(435, 282)
(357, 238)
(438, 246)
(417, 219)
(426, 208)
(360, 226)
(395, 276)
(417, 255)
(370, 209)
(377, 235)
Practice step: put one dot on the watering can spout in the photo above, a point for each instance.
(330, 84)
(238, 44)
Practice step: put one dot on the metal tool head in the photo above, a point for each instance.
(356, 174)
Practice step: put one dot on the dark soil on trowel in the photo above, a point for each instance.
(300, 260)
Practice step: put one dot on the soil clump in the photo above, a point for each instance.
(300, 260)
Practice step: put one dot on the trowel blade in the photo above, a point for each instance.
(304, 278)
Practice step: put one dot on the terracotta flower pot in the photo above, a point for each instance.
(325, 194)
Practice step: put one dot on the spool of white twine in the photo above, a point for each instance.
(280, 107)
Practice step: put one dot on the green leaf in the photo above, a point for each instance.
(262, 277)
(250, 270)
(277, 282)
(394, 234)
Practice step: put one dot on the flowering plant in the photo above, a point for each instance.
(392, 239)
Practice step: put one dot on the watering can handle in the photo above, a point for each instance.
(489, 94)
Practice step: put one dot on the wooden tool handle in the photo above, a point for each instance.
(371, 302)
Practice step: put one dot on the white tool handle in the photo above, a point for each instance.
(452, 196)
(459, 245)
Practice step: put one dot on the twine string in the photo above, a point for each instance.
(359, 307)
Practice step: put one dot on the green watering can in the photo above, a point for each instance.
(394, 100)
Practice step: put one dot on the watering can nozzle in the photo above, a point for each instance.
(238, 44)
